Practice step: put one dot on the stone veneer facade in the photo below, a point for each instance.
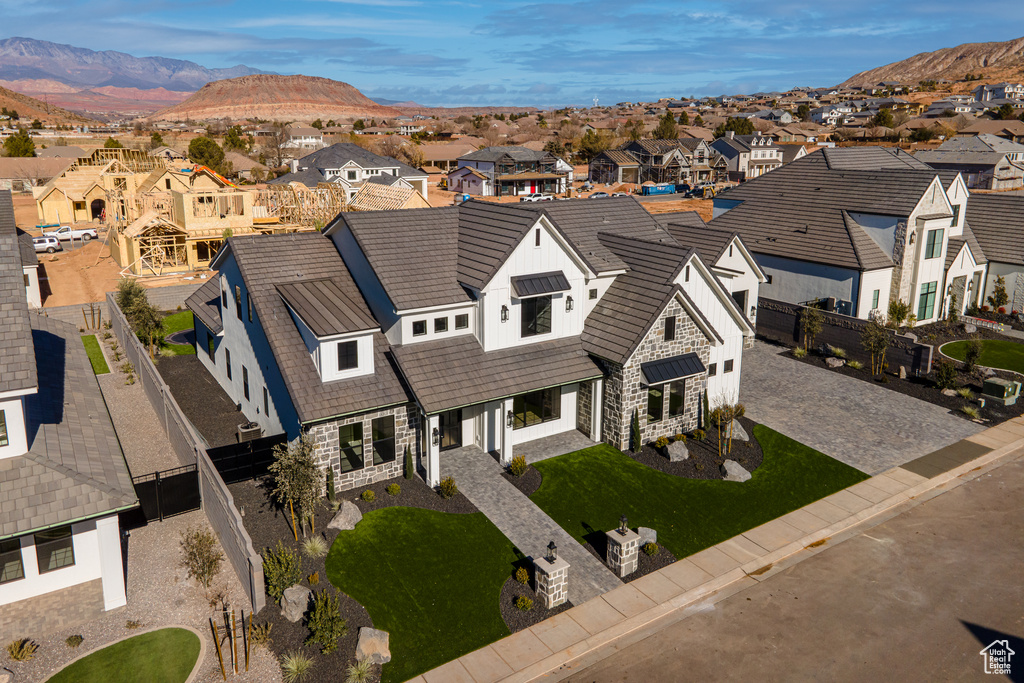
(584, 407)
(54, 611)
(325, 436)
(624, 385)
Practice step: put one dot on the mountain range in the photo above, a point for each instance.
(995, 61)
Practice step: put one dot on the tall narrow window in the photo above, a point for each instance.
(348, 355)
(227, 361)
(266, 402)
(956, 214)
(536, 316)
(383, 429)
(536, 238)
(676, 396)
(670, 328)
(245, 382)
(4, 441)
(54, 549)
(350, 444)
(655, 403)
(926, 304)
(248, 302)
(933, 245)
(223, 299)
(874, 298)
(210, 349)
(712, 369)
(238, 301)
(687, 278)
(11, 568)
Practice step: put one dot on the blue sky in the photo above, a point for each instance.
(449, 52)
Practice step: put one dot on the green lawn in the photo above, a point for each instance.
(587, 491)
(175, 322)
(92, 347)
(430, 579)
(164, 656)
(995, 353)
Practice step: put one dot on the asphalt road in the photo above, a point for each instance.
(913, 599)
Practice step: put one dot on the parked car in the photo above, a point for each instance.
(599, 195)
(536, 197)
(66, 232)
(46, 244)
(620, 194)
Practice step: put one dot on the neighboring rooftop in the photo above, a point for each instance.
(997, 223)
(17, 362)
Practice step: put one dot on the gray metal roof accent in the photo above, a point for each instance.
(27, 249)
(456, 372)
(540, 284)
(74, 468)
(205, 304)
(669, 369)
(326, 308)
(997, 223)
(17, 358)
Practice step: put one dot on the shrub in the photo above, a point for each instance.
(965, 392)
(651, 549)
(330, 485)
(313, 578)
(368, 495)
(971, 412)
(1002, 310)
(200, 555)
(314, 546)
(447, 488)
(127, 368)
(107, 335)
(679, 437)
(634, 432)
(523, 575)
(699, 434)
(282, 568)
(838, 352)
(971, 354)
(73, 641)
(295, 666)
(167, 352)
(410, 470)
(359, 672)
(662, 442)
(393, 489)
(325, 622)
(261, 634)
(22, 650)
(985, 309)
(945, 375)
(132, 624)
(524, 604)
(799, 352)
(518, 466)
(855, 364)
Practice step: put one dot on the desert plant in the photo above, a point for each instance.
(282, 568)
(200, 555)
(651, 549)
(314, 546)
(854, 364)
(410, 471)
(812, 321)
(298, 479)
(971, 412)
(359, 672)
(325, 622)
(971, 354)
(662, 442)
(799, 352)
(945, 375)
(132, 624)
(22, 650)
(167, 352)
(107, 335)
(518, 466)
(393, 489)
(260, 634)
(736, 411)
(368, 495)
(838, 352)
(524, 604)
(447, 488)
(899, 311)
(999, 298)
(875, 340)
(295, 666)
(313, 578)
(127, 368)
(634, 432)
(73, 641)
(965, 392)
(523, 575)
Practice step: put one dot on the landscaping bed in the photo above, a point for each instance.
(704, 461)
(997, 317)
(164, 656)
(204, 402)
(527, 482)
(517, 619)
(414, 493)
(597, 543)
(95, 353)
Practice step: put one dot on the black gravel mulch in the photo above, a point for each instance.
(414, 493)
(204, 402)
(517, 619)
(597, 545)
(527, 483)
(704, 461)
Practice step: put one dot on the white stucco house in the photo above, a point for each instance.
(477, 326)
(748, 156)
(350, 166)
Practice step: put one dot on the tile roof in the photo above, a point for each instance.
(205, 304)
(957, 158)
(487, 235)
(267, 261)
(326, 308)
(74, 468)
(517, 153)
(456, 372)
(27, 249)
(984, 142)
(997, 223)
(17, 362)
(339, 154)
(690, 230)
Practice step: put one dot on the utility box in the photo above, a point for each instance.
(1004, 391)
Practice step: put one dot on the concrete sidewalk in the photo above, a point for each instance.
(556, 648)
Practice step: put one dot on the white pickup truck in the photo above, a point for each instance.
(66, 232)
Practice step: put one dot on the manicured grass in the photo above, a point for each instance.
(995, 353)
(430, 579)
(175, 322)
(587, 491)
(92, 347)
(164, 656)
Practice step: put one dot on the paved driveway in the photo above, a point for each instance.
(866, 426)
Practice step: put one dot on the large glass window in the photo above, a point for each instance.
(536, 407)
(676, 394)
(11, 568)
(383, 439)
(350, 442)
(348, 355)
(655, 403)
(54, 549)
(536, 315)
(926, 304)
(933, 245)
(3, 429)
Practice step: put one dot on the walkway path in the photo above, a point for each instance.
(478, 476)
(866, 426)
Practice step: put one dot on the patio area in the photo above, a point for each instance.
(552, 446)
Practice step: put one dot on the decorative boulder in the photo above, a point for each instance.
(835, 362)
(903, 372)
(647, 535)
(910, 335)
(988, 372)
(733, 471)
(294, 602)
(738, 432)
(677, 451)
(347, 518)
(970, 329)
(373, 644)
(948, 392)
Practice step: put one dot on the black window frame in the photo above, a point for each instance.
(348, 355)
(462, 321)
(727, 366)
(549, 402)
(8, 550)
(676, 406)
(5, 439)
(245, 382)
(211, 351)
(248, 303)
(61, 538)
(223, 299)
(535, 320)
(238, 301)
(593, 293)
(351, 449)
(422, 324)
(653, 401)
(266, 401)
(440, 325)
(670, 328)
(383, 440)
(227, 361)
(712, 369)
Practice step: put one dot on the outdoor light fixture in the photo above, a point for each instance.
(436, 436)
(912, 236)
(504, 313)
(552, 552)
(949, 290)
(508, 419)
(753, 311)
(568, 303)
(622, 525)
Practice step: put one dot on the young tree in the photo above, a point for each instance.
(699, 121)
(811, 323)
(971, 354)
(899, 312)
(156, 140)
(358, 124)
(736, 411)
(205, 152)
(667, 129)
(999, 298)
(875, 340)
(233, 139)
(634, 129)
(737, 125)
(297, 479)
(804, 112)
(141, 315)
(882, 118)
(634, 432)
(592, 144)
(318, 124)
(111, 143)
(19, 145)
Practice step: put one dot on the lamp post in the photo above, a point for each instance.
(622, 525)
(552, 552)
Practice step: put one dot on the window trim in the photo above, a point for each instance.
(927, 299)
(392, 440)
(660, 389)
(676, 388)
(593, 293)
(462, 321)
(874, 298)
(266, 402)
(10, 552)
(549, 400)
(440, 325)
(670, 328)
(356, 446)
(712, 369)
(933, 243)
(227, 360)
(415, 323)
(349, 351)
(68, 537)
(238, 301)
(727, 366)
(5, 438)
(245, 382)
(530, 325)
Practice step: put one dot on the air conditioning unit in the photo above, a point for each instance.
(250, 431)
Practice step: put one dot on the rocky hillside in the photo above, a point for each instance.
(29, 108)
(997, 61)
(280, 98)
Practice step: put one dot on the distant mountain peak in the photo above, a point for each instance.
(951, 63)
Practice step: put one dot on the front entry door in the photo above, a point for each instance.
(450, 426)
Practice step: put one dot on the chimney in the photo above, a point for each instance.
(730, 134)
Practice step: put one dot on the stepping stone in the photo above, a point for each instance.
(738, 432)
(294, 602)
(373, 644)
(677, 451)
(347, 518)
(733, 471)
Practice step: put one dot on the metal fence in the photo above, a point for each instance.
(190, 448)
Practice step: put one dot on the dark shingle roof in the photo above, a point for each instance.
(309, 177)
(74, 468)
(997, 223)
(326, 308)
(457, 372)
(267, 261)
(494, 153)
(205, 304)
(488, 233)
(870, 159)
(957, 158)
(339, 154)
(27, 249)
(690, 230)
(17, 359)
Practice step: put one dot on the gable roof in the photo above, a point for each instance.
(492, 154)
(205, 304)
(341, 153)
(997, 223)
(17, 362)
(376, 196)
(690, 230)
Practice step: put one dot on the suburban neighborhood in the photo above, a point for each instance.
(304, 384)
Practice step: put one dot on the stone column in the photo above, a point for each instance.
(552, 581)
(623, 552)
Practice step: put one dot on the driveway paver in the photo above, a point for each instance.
(865, 426)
